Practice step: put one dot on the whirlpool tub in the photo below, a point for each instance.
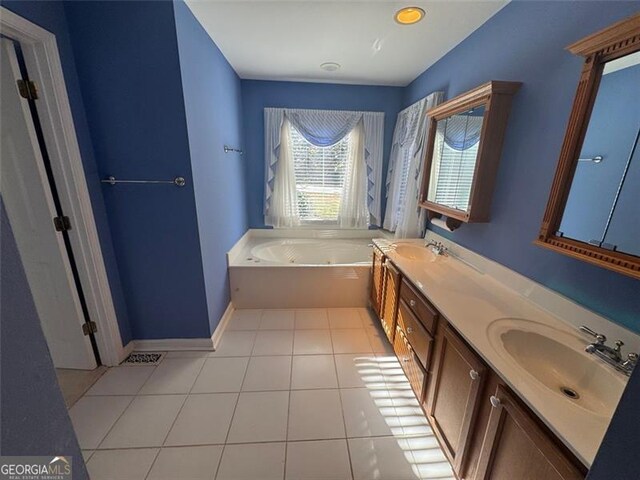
(301, 268)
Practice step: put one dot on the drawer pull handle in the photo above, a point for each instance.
(405, 360)
(409, 330)
(412, 303)
(474, 375)
(495, 401)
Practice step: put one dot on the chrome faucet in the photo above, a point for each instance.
(437, 247)
(611, 355)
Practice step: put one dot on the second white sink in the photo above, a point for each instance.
(557, 360)
(413, 252)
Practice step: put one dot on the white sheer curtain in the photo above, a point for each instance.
(283, 211)
(322, 128)
(353, 209)
(404, 177)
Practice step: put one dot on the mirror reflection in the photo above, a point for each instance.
(454, 158)
(601, 208)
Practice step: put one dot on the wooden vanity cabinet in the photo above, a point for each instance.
(376, 281)
(454, 394)
(409, 362)
(390, 297)
(514, 444)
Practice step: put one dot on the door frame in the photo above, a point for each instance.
(42, 58)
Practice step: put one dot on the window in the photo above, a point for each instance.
(320, 174)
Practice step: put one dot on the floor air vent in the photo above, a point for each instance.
(143, 359)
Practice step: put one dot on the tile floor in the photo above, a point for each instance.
(313, 394)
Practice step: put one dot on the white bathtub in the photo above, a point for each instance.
(301, 268)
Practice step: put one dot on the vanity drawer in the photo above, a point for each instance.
(419, 338)
(410, 364)
(422, 309)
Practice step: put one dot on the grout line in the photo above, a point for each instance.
(233, 415)
(344, 421)
(286, 434)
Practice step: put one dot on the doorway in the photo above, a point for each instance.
(38, 221)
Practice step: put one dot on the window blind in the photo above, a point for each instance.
(320, 174)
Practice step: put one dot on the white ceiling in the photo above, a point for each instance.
(288, 40)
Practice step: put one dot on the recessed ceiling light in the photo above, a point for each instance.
(409, 15)
(330, 66)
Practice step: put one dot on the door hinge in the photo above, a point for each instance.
(89, 327)
(28, 89)
(62, 224)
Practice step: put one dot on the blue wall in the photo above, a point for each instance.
(51, 16)
(34, 417)
(612, 131)
(214, 118)
(256, 95)
(526, 42)
(127, 60)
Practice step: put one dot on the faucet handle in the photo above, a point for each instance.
(600, 338)
(619, 344)
(632, 358)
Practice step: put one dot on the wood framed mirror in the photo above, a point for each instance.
(593, 211)
(463, 150)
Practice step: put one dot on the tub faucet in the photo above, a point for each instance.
(611, 355)
(437, 247)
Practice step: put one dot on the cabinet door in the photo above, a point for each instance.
(515, 446)
(410, 364)
(376, 282)
(454, 394)
(391, 290)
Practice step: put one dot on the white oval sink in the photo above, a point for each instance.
(413, 252)
(557, 360)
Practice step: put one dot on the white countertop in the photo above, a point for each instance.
(471, 301)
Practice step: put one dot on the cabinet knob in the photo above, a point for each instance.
(495, 401)
(405, 360)
(412, 303)
(473, 374)
(409, 330)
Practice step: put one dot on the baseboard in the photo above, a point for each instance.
(222, 325)
(173, 344)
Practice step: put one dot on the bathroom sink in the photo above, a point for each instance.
(413, 252)
(557, 360)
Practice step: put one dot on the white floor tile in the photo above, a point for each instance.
(311, 318)
(382, 458)
(260, 417)
(86, 455)
(369, 413)
(344, 318)
(145, 423)
(315, 415)
(350, 341)
(204, 419)
(312, 342)
(273, 342)
(277, 320)
(313, 371)
(358, 370)
(173, 376)
(378, 339)
(221, 375)
(318, 460)
(264, 461)
(130, 464)
(244, 320)
(268, 373)
(93, 417)
(235, 344)
(428, 458)
(122, 380)
(368, 317)
(186, 463)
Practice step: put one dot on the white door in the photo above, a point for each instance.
(30, 207)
